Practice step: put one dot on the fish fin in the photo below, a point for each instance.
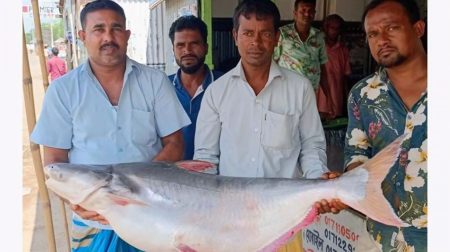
(197, 166)
(282, 240)
(123, 201)
(374, 204)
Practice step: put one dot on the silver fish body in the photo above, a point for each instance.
(160, 207)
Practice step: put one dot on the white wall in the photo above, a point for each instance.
(223, 8)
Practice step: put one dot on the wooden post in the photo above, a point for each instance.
(39, 43)
(35, 151)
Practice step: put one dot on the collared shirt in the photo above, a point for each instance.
(377, 116)
(191, 105)
(77, 115)
(302, 57)
(270, 134)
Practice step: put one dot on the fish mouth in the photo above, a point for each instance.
(81, 195)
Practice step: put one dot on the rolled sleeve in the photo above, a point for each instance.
(54, 127)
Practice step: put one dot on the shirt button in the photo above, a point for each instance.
(398, 183)
(253, 159)
(258, 101)
(119, 128)
(120, 150)
(256, 129)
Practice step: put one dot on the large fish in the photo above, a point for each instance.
(160, 207)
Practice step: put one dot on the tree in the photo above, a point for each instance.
(29, 37)
(58, 31)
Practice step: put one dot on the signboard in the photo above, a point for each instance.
(343, 232)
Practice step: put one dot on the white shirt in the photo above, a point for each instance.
(271, 134)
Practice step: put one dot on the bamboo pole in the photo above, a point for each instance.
(35, 151)
(40, 42)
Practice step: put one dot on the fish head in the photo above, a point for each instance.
(74, 182)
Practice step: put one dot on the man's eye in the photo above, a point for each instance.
(371, 35)
(267, 35)
(392, 28)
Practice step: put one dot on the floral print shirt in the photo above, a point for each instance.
(377, 116)
(302, 57)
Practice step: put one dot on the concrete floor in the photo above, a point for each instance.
(34, 230)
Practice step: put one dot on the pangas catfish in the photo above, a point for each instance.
(160, 207)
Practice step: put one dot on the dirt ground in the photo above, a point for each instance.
(34, 230)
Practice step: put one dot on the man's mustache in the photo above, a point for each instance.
(189, 56)
(109, 44)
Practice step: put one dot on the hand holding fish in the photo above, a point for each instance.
(89, 215)
(335, 205)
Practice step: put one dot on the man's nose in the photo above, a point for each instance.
(108, 35)
(383, 38)
(187, 49)
(257, 38)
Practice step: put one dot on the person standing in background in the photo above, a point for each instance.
(56, 67)
(301, 47)
(338, 70)
(189, 35)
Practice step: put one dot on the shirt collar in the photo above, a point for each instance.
(275, 71)
(206, 81)
(129, 66)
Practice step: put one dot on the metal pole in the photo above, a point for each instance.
(35, 151)
(40, 42)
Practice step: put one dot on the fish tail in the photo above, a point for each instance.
(365, 180)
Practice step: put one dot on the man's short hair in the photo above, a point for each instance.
(261, 8)
(334, 17)
(410, 6)
(55, 51)
(191, 23)
(100, 5)
(297, 2)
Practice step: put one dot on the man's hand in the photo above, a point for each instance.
(335, 205)
(89, 215)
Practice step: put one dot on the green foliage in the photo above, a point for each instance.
(58, 31)
(29, 37)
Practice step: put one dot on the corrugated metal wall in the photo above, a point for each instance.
(156, 37)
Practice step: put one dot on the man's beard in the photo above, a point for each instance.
(393, 61)
(192, 68)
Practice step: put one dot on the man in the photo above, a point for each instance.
(260, 120)
(56, 67)
(189, 35)
(337, 68)
(301, 47)
(387, 104)
(109, 110)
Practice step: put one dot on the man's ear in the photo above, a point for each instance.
(128, 34)
(82, 35)
(235, 35)
(419, 28)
